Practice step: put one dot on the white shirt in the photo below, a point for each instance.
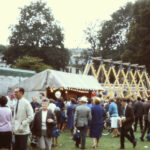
(125, 107)
(11, 104)
(52, 107)
(44, 116)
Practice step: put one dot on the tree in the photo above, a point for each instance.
(31, 63)
(112, 35)
(138, 36)
(2, 48)
(109, 41)
(36, 34)
(92, 38)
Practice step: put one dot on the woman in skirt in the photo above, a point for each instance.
(5, 125)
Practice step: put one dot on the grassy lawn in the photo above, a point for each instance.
(106, 143)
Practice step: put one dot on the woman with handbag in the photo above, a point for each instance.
(42, 126)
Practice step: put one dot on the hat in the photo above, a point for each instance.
(12, 95)
(83, 99)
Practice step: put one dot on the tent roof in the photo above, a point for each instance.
(16, 72)
(58, 79)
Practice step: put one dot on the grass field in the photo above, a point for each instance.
(106, 143)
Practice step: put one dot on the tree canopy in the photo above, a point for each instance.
(2, 48)
(37, 34)
(31, 63)
(139, 35)
(126, 35)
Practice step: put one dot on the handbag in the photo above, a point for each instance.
(76, 134)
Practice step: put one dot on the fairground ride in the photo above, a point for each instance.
(124, 79)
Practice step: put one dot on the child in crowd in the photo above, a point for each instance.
(56, 133)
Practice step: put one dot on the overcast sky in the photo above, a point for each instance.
(72, 15)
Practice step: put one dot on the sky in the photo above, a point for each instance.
(73, 16)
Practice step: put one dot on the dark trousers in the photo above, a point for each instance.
(83, 131)
(124, 133)
(132, 133)
(21, 142)
(77, 142)
(140, 119)
(146, 128)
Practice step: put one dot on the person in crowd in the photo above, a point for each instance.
(81, 118)
(5, 125)
(11, 102)
(63, 120)
(146, 108)
(107, 104)
(56, 134)
(119, 106)
(126, 124)
(67, 103)
(70, 115)
(42, 96)
(52, 105)
(89, 104)
(35, 105)
(59, 103)
(23, 116)
(131, 104)
(56, 129)
(96, 126)
(138, 113)
(42, 126)
(113, 113)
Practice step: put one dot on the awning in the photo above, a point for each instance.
(57, 79)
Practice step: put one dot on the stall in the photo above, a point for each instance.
(50, 81)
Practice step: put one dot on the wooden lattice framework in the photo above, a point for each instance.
(130, 78)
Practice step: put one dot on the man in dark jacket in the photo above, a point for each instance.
(138, 112)
(127, 125)
(146, 107)
(42, 126)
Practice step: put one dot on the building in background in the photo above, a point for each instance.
(76, 63)
(3, 62)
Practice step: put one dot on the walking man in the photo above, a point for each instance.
(138, 112)
(127, 125)
(81, 120)
(23, 116)
(146, 107)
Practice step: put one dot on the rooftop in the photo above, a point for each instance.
(16, 72)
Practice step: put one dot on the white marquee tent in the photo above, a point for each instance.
(58, 79)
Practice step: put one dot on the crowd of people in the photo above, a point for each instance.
(45, 119)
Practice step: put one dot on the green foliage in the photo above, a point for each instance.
(105, 143)
(139, 34)
(128, 56)
(126, 35)
(92, 38)
(38, 35)
(2, 48)
(31, 63)
(35, 26)
(110, 41)
(112, 34)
